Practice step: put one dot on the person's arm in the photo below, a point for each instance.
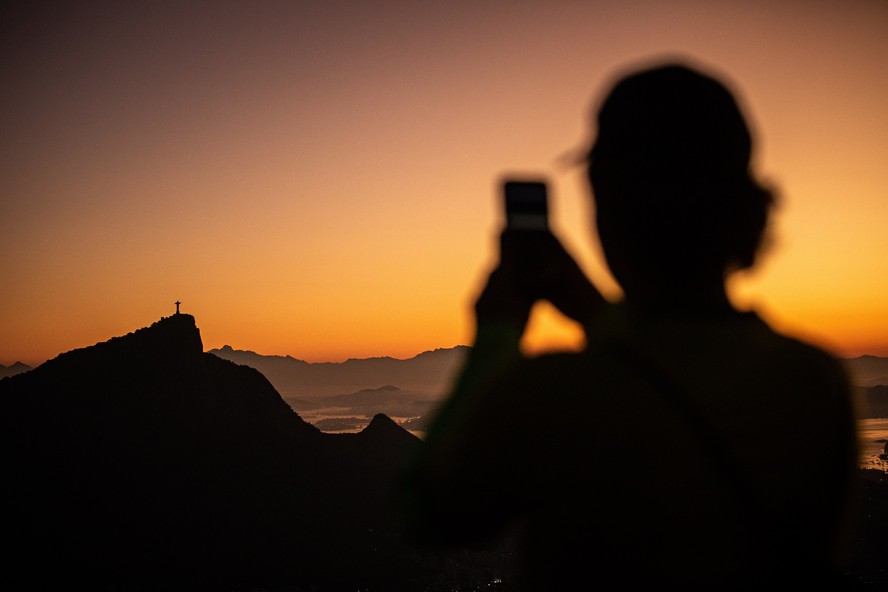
(466, 477)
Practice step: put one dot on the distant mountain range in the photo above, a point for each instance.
(420, 382)
(145, 463)
(867, 370)
(429, 372)
(14, 369)
(870, 375)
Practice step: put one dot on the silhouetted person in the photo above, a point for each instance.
(688, 443)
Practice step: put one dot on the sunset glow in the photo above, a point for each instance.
(318, 179)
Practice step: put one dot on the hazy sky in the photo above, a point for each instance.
(319, 178)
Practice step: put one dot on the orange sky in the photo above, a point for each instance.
(318, 178)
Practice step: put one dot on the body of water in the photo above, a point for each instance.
(873, 434)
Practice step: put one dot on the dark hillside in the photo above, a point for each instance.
(143, 461)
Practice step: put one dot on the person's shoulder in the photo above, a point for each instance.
(802, 360)
(792, 347)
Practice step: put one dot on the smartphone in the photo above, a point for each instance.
(527, 204)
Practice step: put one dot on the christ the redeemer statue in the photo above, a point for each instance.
(177, 306)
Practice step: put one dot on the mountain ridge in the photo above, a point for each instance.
(228, 349)
(13, 369)
(144, 462)
(867, 370)
(430, 371)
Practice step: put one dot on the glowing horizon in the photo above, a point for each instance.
(320, 180)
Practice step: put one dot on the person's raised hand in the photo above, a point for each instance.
(535, 266)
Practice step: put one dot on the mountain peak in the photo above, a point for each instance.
(382, 424)
(383, 389)
(177, 333)
(384, 433)
(173, 341)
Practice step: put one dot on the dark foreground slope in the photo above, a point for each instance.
(143, 461)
